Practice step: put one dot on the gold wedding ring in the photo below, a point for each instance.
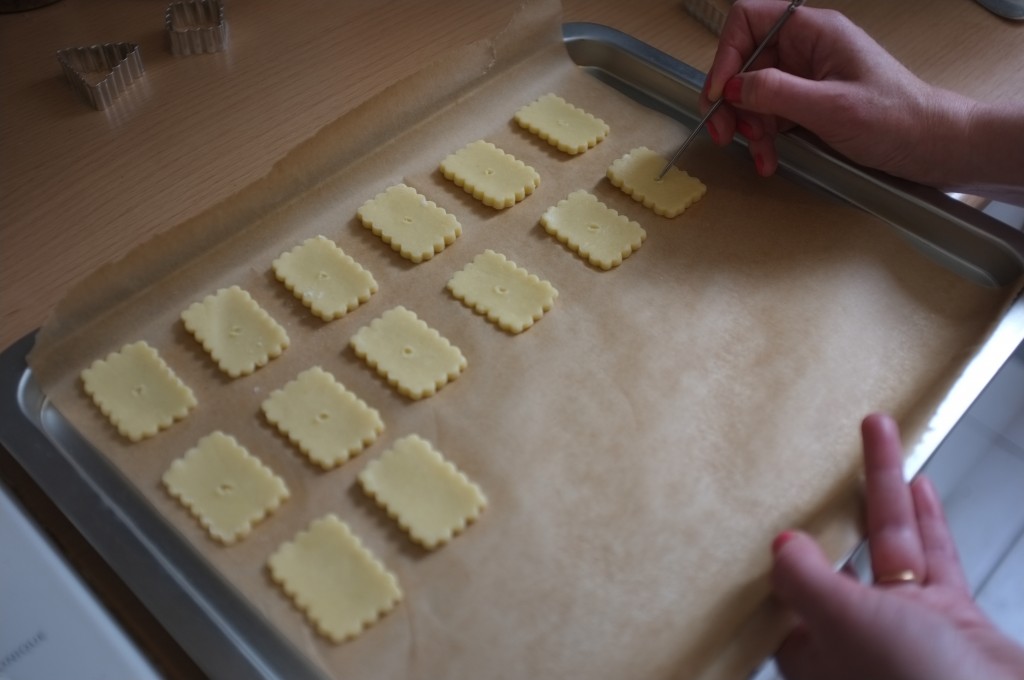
(897, 578)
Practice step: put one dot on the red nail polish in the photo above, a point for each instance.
(713, 133)
(745, 129)
(781, 540)
(759, 163)
(733, 91)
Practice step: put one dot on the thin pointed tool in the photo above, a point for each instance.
(718, 102)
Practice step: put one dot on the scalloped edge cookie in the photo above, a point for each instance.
(413, 226)
(328, 281)
(218, 473)
(392, 342)
(333, 579)
(494, 177)
(133, 374)
(601, 235)
(221, 319)
(315, 399)
(429, 497)
(636, 174)
(508, 295)
(562, 125)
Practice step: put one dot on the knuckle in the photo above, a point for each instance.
(758, 90)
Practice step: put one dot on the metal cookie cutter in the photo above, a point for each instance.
(711, 13)
(121, 62)
(196, 26)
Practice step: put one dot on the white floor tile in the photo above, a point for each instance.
(985, 513)
(962, 450)
(1000, 404)
(1002, 596)
(1013, 431)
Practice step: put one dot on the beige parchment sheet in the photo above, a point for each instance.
(640, 446)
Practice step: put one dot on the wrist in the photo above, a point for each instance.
(977, 147)
(995, 153)
(946, 159)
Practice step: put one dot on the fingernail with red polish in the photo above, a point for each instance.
(712, 132)
(759, 163)
(781, 540)
(745, 129)
(733, 91)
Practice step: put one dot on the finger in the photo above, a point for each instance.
(750, 126)
(766, 158)
(722, 125)
(797, 657)
(774, 92)
(746, 24)
(735, 40)
(806, 582)
(893, 535)
(940, 553)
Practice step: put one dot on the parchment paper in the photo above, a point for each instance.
(640, 446)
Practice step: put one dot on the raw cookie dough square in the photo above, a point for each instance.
(561, 124)
(601, 235)
(417, 228)
(505, 293)
(636, 174)
(427, 495)
(324, 278)
(327, 422)
(237, 332)
(413, 357)
(495, 178)
(334, 580)
(225, 487)
(137, 391)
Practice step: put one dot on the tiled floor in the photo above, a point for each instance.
(983, 503)
(979, 473)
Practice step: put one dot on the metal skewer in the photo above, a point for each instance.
(718, 102)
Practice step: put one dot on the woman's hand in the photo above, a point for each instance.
(918, 622)
(827, 75)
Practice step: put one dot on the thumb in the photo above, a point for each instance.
(778, 93)
(806, 581)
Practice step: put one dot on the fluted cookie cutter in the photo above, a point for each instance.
(196, 26)
(121, 62)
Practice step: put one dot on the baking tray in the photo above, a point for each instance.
(221, 631)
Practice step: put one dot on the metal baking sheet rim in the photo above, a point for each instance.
(220, 630)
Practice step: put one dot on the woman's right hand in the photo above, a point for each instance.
(827, 75)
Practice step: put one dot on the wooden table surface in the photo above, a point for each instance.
(80, 188)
